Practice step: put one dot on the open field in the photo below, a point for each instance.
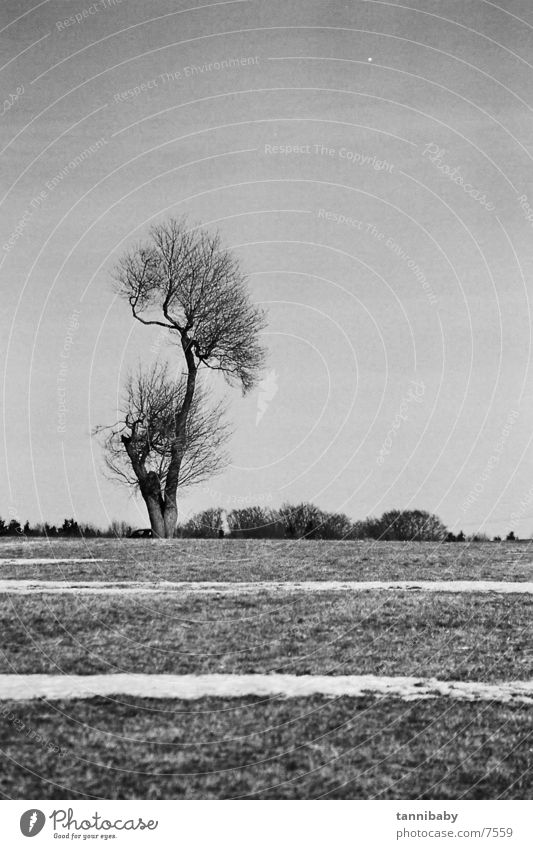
(122, 746)
(302, 748)
(476, 637)
(261, 560)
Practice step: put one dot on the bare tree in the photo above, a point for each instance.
(411, 525)
(184, 280)
(139, 448)
(205, 525)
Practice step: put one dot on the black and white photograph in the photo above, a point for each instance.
(266, 501)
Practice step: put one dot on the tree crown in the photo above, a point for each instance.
(183, 279)
(146, 429)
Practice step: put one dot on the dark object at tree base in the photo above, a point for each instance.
(141, 533)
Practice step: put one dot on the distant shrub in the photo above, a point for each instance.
(300, 520)
(306, 521)
(370, 528)
(204, 525)
(70, 528)
(420, 525)
(256, 523)
(118, 529)
(335, 526)
(291, 521)
(406, 525)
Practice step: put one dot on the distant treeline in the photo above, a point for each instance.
(306, 521)
(290, 521)
(69, 528)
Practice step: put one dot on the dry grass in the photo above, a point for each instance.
(256, 560)
(294, 749)
(481, 637)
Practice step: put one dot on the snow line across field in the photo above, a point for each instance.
(49, 561)
(26, 586)
(24, 687)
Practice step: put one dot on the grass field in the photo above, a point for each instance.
(260, 560)
(129, 747)
(336, 748)
(446, 636)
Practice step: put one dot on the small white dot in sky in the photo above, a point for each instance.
(370, 59)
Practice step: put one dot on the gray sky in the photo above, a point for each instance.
(399, 328)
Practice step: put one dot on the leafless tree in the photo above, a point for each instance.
(139, 448)
(184, 280)
(411, 525)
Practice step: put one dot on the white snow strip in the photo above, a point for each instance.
(48, 561)
(21, 687)
(27, 586)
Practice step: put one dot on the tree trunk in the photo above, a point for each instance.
(151, 492)
(157, 522)
(163, 516)
(171, 519)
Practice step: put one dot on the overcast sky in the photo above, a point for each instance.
(390, 247)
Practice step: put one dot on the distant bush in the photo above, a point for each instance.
(291, 521)
(370, 528)
(412, 525)
(300, 520)
(204, 525)
(69, 529)
(335, 526)
(118, 529)
(256, 523)
(306, 521)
